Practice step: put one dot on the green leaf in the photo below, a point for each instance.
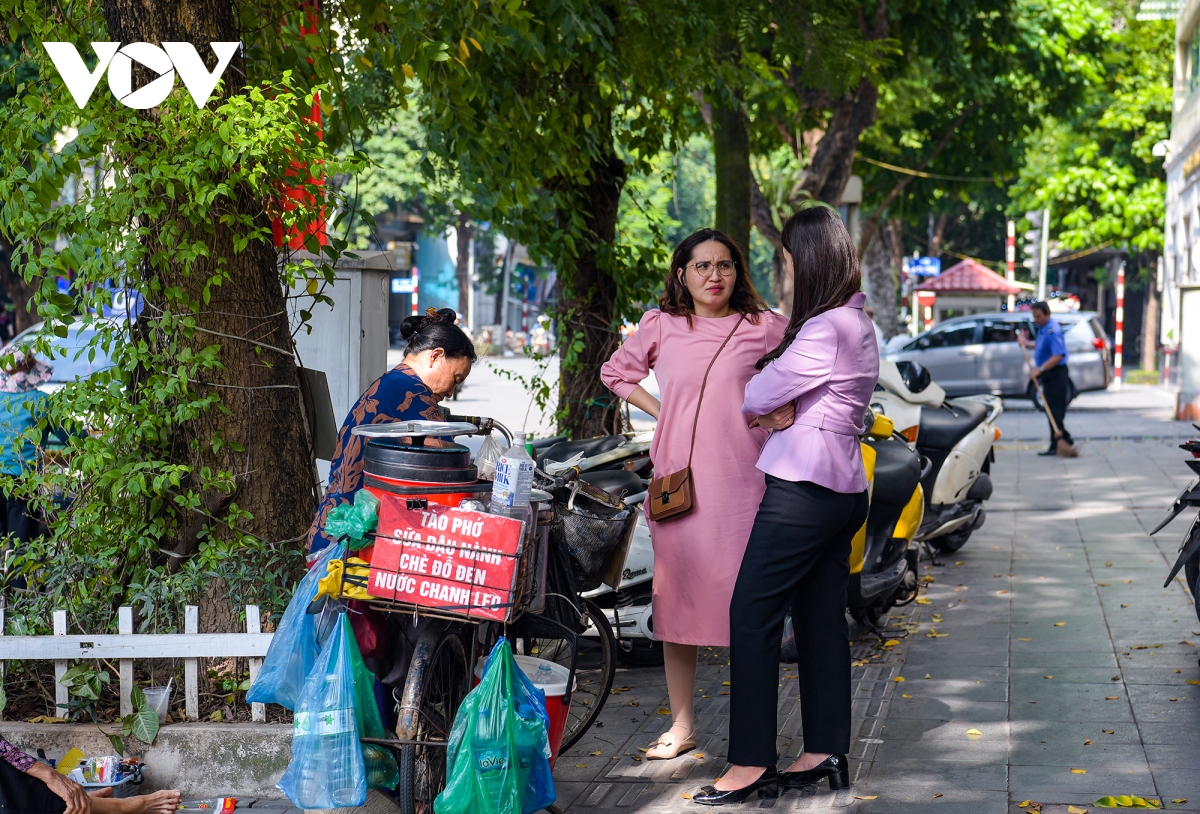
(117, 742)
(137, 698)
(143, 724)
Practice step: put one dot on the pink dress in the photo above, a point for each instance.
(697, 556)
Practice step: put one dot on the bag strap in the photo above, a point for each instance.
(704, 383)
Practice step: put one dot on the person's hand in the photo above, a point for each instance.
(779, 419)
(71, 792)
(1023, 339)
(1035, 372)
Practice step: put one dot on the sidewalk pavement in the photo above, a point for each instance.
(1049, 633)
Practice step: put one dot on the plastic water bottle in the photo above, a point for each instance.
(513, 482)
(529, 738)
(489, 748)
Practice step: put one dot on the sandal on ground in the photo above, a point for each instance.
(670, 745)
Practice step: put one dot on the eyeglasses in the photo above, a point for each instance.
(705, 268)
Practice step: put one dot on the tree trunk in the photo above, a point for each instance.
(260, 417)
(731, 152)
(833, 162)
(17, 289)
(589, 296)
(937, 235)
(879, 282)
(764, 222)
(1150, 329)
(462, 267)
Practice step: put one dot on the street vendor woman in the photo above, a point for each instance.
(437, 359)
(28, 786)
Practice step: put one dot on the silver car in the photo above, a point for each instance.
(980, 354)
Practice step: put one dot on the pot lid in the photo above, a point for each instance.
(415, 429)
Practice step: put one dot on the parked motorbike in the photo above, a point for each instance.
(956, 435)
(883, 570)
(1189, 552)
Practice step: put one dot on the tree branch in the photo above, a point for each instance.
(872, 224)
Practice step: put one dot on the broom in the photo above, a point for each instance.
(1062, 447)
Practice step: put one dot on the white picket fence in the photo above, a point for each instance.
(123, 648)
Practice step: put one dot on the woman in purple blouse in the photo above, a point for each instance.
(798, 554)
(28, 786)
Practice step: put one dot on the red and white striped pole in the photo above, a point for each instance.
(416, 278)
(1010, 258)
(1119, 338)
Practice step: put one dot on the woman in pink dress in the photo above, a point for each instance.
(697, 555)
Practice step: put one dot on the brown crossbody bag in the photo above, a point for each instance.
(673, 495)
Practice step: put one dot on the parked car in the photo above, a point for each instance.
(979, 353)
(70, 354)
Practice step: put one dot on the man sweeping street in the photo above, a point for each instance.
(1050, 369)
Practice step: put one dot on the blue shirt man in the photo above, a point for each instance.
(1050, 342)
(1050, 371)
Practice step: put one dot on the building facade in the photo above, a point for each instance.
(1179, 274)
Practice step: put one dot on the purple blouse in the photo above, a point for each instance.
(15, 757)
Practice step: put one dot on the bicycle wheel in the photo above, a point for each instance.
(595, 667)
(438, 680)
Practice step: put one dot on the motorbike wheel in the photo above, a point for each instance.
(639, 653)
(949, 543)
(1191, 570)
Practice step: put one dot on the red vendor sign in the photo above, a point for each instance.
(446, 558)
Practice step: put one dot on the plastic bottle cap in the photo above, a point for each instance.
(545, 667)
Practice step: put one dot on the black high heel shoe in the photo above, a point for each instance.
(767, 786)
(835, 767)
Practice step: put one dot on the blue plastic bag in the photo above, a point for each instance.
(327, 769)
(296, 643)
(498, 756)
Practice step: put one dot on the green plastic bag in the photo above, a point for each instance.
(497, 757)
(382, 769)
(355, 522)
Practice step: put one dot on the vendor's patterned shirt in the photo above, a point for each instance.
(15, 757)
(398, 395)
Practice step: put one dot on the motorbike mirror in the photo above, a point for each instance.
(916, 377)
(881, 428)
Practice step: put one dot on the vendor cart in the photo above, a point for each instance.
(573, 535)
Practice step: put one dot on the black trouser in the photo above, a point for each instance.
(16, 519)
(798, 558)
(1056, 384)
(21, 793)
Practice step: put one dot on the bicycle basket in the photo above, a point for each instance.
(592, 536)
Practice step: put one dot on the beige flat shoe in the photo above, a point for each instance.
(668, 746)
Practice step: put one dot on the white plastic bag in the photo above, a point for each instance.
(485, 459)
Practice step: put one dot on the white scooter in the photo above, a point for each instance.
(957, 436)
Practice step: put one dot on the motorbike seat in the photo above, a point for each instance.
(618, 482)
(942, 429)
(897, 471)
(565, 450)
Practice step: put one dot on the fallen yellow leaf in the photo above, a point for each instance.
(906, 695)
(1077, 810)
(1060, 624)
(593, 754)
(920, 601)
(699, 756)
(1047, 676)
(687, 796)
(927, 675)
(580, 765)
(974, 732)
(1107, 731)
(939, 794)
(898, 679)
(867, 797)
(664, 711)
(1111, 697)
(1024, 803)
(1087, 742)
(891, 643)
(724, 683)
(1030, 639)
(642, 749)
(933, 634)
(1079, 771)
(634, 704)
(1179, 800)
(959, 562)
(1193, 682)
(47, 719)
(937, 618)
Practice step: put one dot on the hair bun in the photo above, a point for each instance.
(417, 323)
